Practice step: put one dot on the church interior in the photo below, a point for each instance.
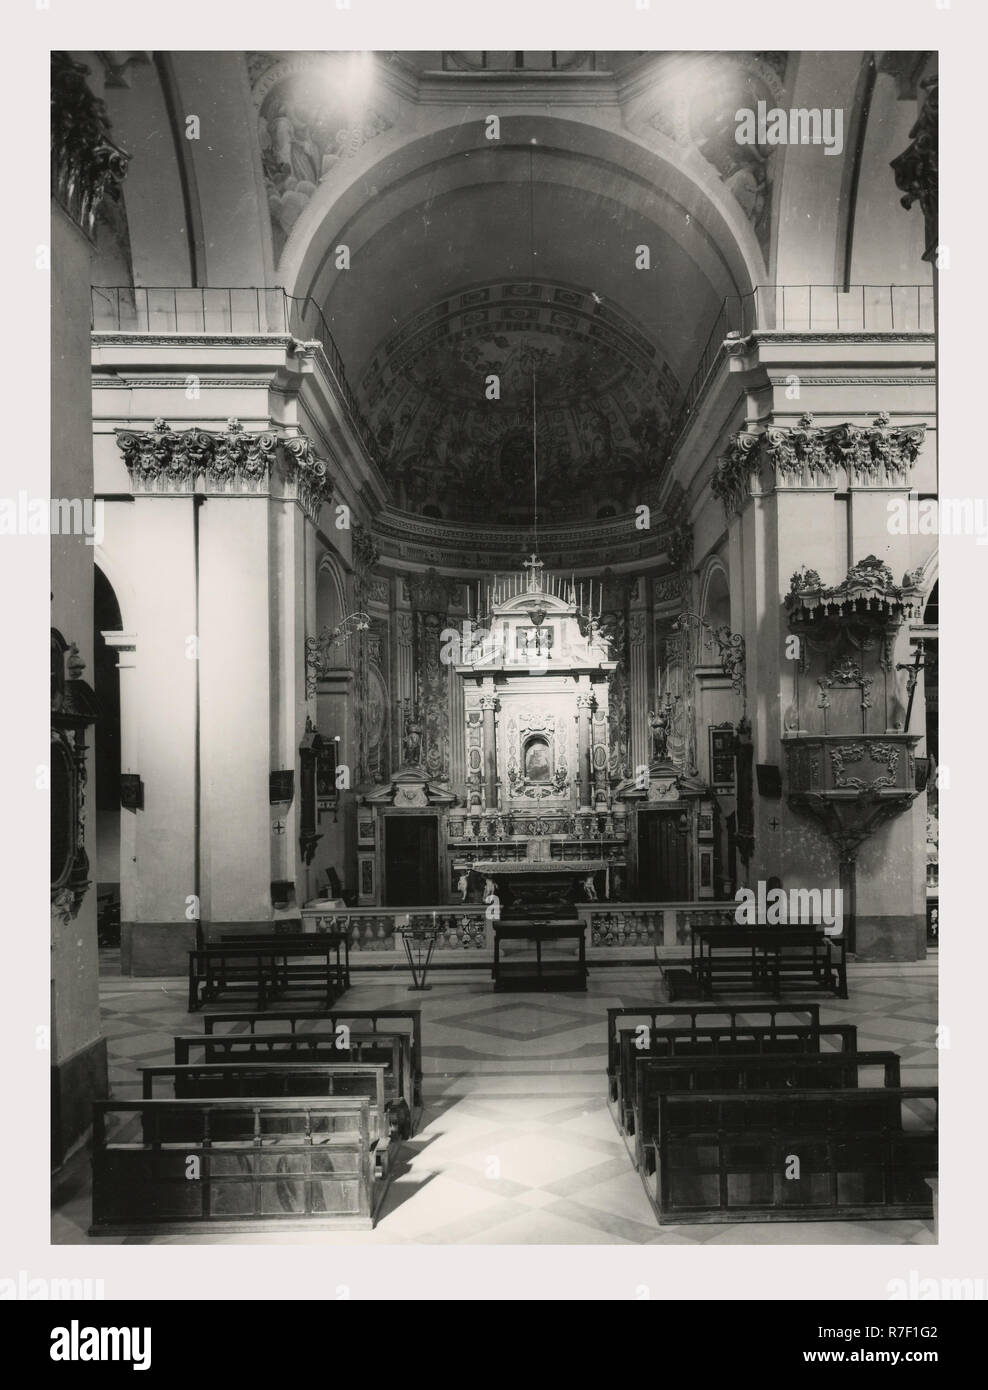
(497, 572)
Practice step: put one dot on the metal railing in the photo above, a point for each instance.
(766, 309)
(227, 310)
(807, 309)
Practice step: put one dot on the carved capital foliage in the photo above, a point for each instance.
(86, 166)
(731, 483)
(365, 550)
(917, 168)
(307, 471)
(681, 544)
(166, 460)
(805, 456)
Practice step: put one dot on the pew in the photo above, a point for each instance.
(296, 1020)
(217, 1080)
(689, 1015)
(656, 1076)
(864, 1154)
(764, 1040)
(298, 1164)
(267, 971)
(339, 939)
(392, 1050)
(766, 960)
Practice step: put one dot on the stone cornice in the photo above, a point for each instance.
(771, 335)
(805, 456)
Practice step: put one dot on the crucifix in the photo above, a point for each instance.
(534, 564)
(912, 669)
(774, 823)
(278, 827)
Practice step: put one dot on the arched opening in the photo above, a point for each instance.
(107, 754)
(717, 600)
(330, 612)
(538, 759)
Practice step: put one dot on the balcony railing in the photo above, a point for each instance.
(767, 309)
(243, 310)
(807, 309)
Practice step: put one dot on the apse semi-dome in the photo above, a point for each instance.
(454, 442)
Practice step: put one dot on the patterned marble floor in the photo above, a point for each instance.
(516, 1145)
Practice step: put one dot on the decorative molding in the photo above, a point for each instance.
(839, 337)
(808, 380)
(86, 166)
(868, 588)
(431, 592)
(123, 381)
(845, 673)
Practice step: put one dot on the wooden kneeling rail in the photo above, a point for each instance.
(300, 1164)
(816, 1071)
(393, 1051)
(295, 1020)
(720, 1042)
(729, 1157)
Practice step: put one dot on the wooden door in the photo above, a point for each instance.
(663, 857)
(411, 861)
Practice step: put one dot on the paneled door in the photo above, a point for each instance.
(663, 856)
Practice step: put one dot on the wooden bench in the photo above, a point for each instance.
(216, 1080)
(266, 971)
(655, 1077)
(863, 1155)
(764, 1040)
(392, 1050)
(766, 960)
(654, 1016)
(301, 1164)
(297, 1020)
(339, 939)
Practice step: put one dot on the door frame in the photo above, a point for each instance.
(430, 813)
(679, 809)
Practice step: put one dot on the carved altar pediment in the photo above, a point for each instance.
(409, 789)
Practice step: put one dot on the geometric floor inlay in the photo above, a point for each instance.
(516, 1144)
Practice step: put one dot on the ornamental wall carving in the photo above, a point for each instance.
(163, 460)
(86, 166)
(917, 168)
(806, 456)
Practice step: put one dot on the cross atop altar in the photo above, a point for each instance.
(535, 566)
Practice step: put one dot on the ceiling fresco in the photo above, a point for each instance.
(604, 402)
